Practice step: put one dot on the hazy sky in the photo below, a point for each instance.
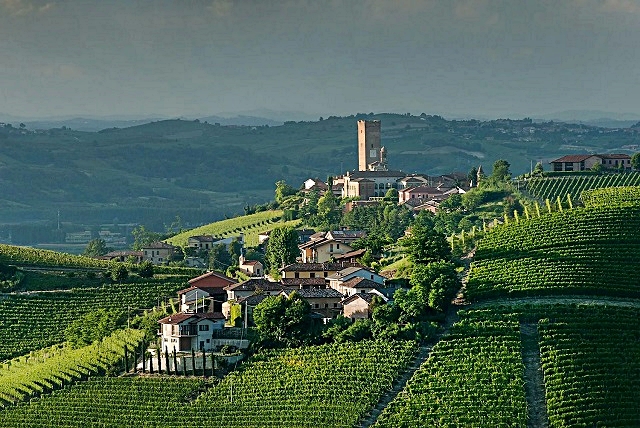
(323, 57)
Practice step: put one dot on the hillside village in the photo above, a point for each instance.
(328, 272)
(343, 304)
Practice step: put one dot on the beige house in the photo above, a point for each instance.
(160, 253)
(355, 280)
(202, 242)
(252, 268)
(322, 250)
(324, 301)
(253, 286)
(586, 162)
(358, 305)
(313, 270)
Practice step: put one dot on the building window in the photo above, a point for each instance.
(203, 327)
(312, 275)
(335, 305)
(326, 305)
(296, 275)
(337, 246)
(326, 274)
(208, 340)
(316, 306)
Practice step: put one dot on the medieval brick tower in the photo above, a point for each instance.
(369, 148)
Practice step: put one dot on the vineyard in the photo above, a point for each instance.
(611, 196)
(591, 365)
(33, 321)
(320, 386)
(37, 257)
(553, 187)
(473, 378)
(593, 251)
(248, 224)
(51, 368)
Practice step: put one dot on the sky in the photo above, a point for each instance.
(482, 58)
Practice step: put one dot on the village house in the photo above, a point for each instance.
(253, 286)
(202, 242)
(322, 247)
(183, 332)
(302, 283)
(160, 253)
(587, 162)
(324, 301)
(253, 268)
(357, 285)
(313, 184)
(350, 280)
(314, 270)
(210, 286)
(123, 256)
(358, 305)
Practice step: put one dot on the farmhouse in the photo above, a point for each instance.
(324, 301)
(252, 268)
(160, 253)
(185, 331)
(586, 162)
(314, 270)
(253, 286)
(359, 305)
(210, 285)
(202, 242)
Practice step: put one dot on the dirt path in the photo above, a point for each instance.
(401, 382)
(533, 378)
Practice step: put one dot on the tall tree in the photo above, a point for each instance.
(282, 247)
(424, 244)
(501, 170)
(96, 247)
(283, 320)
(635, 161)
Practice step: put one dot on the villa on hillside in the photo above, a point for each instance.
(160, 253)
(209, 286)
(183, 332)
(586, 162)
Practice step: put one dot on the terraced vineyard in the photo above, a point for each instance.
(473, 378)
(34, 321)
(553, 187)
(33, 256)
(611, 196)
(590, 250)
(321, 386)
(591, 366)
(50, 368)
(257, 222)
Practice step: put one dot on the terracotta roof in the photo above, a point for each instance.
(614, 156)
(181, 317)
(348, 271)
(290, 282)
(213, 273)
(374, 174)
(367, 297)
(204, 238)
(252, 300)
(124, 253)
(316, 293)
(359, 282)
(255, 284)
(317, 267)
(573, 158)
(159, 244)
(350, 254)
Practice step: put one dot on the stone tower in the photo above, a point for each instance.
(368, 143)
